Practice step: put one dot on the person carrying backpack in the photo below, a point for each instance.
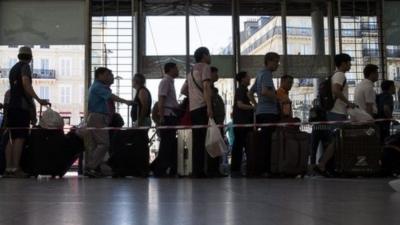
(334, 99)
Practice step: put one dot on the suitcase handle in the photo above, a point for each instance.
(41, 109)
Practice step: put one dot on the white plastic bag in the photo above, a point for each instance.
(395, 184)
(359, 115)
(51, 120)
(215, 144)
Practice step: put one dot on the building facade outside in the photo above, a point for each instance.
(58, 75)
(359, 40)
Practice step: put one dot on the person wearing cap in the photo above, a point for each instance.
(20, 108)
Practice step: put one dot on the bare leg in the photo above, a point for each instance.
(17, 151)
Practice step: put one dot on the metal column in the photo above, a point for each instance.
(339, 7)
(141, 35)
(284, 35)
(331, 33)
(236, 37)
(187, 30)
(382, 46)
(88, 52)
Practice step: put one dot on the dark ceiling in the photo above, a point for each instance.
(223, 7)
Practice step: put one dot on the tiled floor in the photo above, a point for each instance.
(184, 201)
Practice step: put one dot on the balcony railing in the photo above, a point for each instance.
(36, 74)
(44, 74)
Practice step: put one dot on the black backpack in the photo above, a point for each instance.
(325, 96)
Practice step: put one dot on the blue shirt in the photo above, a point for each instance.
(99, 94)
(265, 105)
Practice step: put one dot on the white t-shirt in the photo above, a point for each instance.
(365, 93)
(201, 73)
(340, 107)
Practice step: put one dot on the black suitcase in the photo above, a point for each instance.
(358, 151)
(255, 155)
(130, 153)
(50, 152)
(289, 152)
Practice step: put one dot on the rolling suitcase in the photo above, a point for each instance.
(130, 153)
(184, 152)
(289, 152)
(50, 152)
(255, 156)
(358, 150)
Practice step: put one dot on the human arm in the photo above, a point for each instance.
(243, 106)
(207, 93)
(268, 92)
(185, 89)
(250, 95)
(241, 96)
(26, 83)
(161, 102)
(120, 100)
(337, 92)
(267, 87)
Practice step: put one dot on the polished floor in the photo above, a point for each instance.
(224, 201)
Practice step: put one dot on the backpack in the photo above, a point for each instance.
(325, 96)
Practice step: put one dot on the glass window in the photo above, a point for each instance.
(65, 94)
(67, 120)
(44, 92)
(44, 64)
(165, 35)
(214, 32)
(65, 66)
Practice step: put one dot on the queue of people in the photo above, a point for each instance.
(262, 103)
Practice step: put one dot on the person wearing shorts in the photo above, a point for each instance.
(21, 111)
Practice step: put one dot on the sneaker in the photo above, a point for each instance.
(93, 174)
